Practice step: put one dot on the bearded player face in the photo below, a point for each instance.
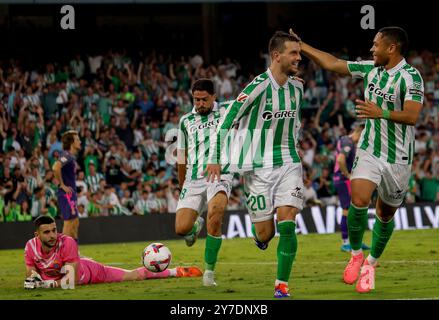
(47, 234)
(203, 101)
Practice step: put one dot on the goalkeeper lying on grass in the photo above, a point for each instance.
(52, 259)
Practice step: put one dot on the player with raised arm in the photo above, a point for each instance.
(195, 132)
(394, 93)
(64, 170)
(344, 160)
(49, 251)
(264, 150)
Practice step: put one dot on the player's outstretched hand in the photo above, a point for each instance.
(213, 171)
(294, 34)
(367, 110)
(33, 282)
(40, 283)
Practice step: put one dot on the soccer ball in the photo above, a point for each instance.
(156, 257)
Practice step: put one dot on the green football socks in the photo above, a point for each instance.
(286, 249)
(213, 245)
(382, 231)
(357, 223)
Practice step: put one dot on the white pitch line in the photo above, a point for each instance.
(333, 262)
(434, 298)
(301, 262)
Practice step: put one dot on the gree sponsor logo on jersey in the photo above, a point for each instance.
(202, 126)
(380, 93)
(269, 115)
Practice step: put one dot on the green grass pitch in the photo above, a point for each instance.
(408, 270)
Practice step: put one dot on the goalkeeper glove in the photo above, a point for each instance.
(29, 283)
(35, 281)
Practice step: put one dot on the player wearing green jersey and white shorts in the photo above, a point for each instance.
(193, 142)
(393, 92)
(264, 151)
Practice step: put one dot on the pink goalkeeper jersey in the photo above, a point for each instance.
(49, 265)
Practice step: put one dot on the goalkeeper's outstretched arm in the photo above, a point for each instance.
(33, 279)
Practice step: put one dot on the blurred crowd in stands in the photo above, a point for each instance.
(125, 108)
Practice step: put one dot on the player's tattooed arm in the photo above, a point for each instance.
(323, 59)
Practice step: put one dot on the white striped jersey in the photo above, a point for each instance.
(36, 206)
(142, 207)
(32, 183)
(49, 193)
(389, 89)
(93, 120)
(136, 164)
(117, 209)
(93, 181)
(136, 195)
(268, 118)
(149, 147)
(194, 136)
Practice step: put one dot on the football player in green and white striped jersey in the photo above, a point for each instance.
(93, 178)
(393, 93)
(193, 145)
(264, 149)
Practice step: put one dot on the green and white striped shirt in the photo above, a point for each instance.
(118, 209)
(389, 89)
(194, 135)
(36, 206)
(93, 181)
(136, 164)
(32, 183)
(142, 207)
(268, 116)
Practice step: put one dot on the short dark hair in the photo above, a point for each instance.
(398, 36)
(68, 138)
(203, 85)
(43, 220)
(277, 41)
